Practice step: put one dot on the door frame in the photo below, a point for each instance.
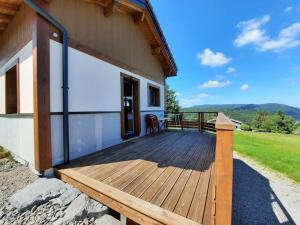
(136, 103)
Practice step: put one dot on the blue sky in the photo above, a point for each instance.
(233, 51)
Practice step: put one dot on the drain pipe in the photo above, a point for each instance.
(65, 87)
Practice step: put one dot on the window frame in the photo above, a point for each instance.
(149, 86)
(15, 64)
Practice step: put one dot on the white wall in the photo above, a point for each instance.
(17, 133)
(26, 80)
(88, 133)
(94, 86)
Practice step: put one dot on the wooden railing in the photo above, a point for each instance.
(223, 173)
(193, 120)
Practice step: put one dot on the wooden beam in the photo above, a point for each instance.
(5, 18)
(41, 88)
(111, 7)
(8, 9)
(224, 170)
(156, 50)
(134, 208)
(139, 17)
(3, 26)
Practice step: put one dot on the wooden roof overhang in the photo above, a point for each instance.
(8, 9)
(142, 13)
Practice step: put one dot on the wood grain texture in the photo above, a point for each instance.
(116, 36)
(224, 176)
(17, 34)
(170, 173)
(224, 123)
(41, 93)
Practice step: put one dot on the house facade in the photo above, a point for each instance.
(117, 64)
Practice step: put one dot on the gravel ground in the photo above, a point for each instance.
(13, 177)
(26, 199)
(262, 196)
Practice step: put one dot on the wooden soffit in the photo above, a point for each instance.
(8, 8)
(141, 12)
(143, 15)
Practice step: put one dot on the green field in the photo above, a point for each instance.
(280, 152)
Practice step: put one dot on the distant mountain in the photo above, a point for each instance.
(246, 112)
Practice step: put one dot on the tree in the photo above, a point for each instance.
(259, 120)
(279, 123)
(172, 105)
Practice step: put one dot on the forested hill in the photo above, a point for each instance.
(246, 112)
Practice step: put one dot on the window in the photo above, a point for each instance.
(154, 95)
(11, 90)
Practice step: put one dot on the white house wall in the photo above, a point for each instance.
(94, 85)
(26, 79)
(17, 131)
(94, 99)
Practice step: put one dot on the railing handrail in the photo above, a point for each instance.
(200, 112)
(184, 120)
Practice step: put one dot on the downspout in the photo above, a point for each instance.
(65, 87)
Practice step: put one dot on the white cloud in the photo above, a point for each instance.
(230, 70)
(252, 33)
(215, 84)
(209, 58)
(245, 87)
(177, 93)
(286, 39)
(186, 102)
(288, 9)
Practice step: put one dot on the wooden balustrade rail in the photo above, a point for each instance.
(197, 121)
(223, 170)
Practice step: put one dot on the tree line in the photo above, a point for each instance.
(262, 121)
(275, 123)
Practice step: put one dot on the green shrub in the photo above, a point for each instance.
(246, 127)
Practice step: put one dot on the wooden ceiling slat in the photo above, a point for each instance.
(3, 26)
(8, 8)
(4, 18)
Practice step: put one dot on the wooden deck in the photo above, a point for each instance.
(163, 179)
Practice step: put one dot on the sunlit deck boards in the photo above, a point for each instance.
(165, 179)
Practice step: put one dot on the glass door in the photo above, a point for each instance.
(128, 103)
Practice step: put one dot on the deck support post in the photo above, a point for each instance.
(223, 170)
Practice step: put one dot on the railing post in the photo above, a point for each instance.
(199, 121)
(181, 120)
(224, 170)
(202, 120)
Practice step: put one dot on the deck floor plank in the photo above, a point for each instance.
(198, 203)
(171, 171)
(180, 152)
(109, 165)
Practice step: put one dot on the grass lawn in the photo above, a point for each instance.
(280, 152)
